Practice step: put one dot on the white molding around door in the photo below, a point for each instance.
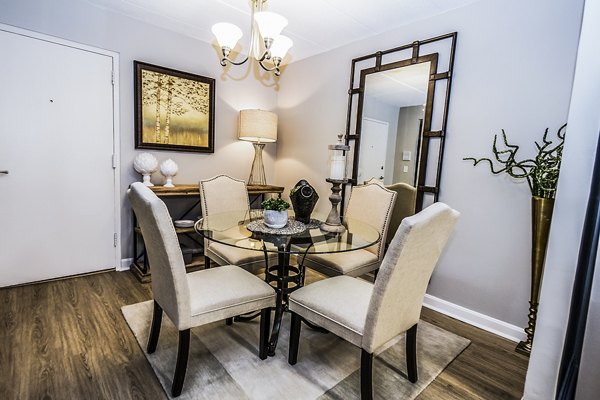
(115, 123)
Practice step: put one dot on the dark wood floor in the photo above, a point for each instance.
(67, 339)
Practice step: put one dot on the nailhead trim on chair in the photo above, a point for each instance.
(202, 194)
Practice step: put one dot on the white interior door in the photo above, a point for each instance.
(373, 144)
(57, 202)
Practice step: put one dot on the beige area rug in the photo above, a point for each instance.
(224, 363)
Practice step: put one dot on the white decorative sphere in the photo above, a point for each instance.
(169, 169)
(145, 164)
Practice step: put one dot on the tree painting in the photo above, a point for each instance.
(175, 111)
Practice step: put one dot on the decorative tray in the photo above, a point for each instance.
(293, 227)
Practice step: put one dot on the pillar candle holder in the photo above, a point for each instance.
(333, 223)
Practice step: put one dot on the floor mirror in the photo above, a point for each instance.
(397, 113)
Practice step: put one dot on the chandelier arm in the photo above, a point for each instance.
(275, 68)
(266, 56)
(226, 60)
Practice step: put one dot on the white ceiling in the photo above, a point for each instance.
(315, 26)
(400, 87)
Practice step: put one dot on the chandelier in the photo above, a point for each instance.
(265, 24)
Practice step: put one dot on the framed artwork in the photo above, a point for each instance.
(174, 110)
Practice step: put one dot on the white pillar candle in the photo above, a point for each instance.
(338, 168)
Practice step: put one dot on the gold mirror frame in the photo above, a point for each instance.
(427, 134)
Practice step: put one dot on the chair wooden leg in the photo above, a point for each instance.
(411, 353)
(294, 338)
(206, 262)
(366, 375)
(375, 274)
(183, 351)
(265, 322)
(154, 328)
(229, 321)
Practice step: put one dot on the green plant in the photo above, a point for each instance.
(276, 204)
(540, 172)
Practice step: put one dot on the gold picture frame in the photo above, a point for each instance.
(174, 110)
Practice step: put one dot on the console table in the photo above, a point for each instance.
(140, 267)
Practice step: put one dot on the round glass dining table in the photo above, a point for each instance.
(246, 230)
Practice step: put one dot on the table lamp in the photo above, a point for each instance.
(258, 127)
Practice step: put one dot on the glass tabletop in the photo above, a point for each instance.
(245, 229)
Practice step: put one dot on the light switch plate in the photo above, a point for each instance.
(406, 156)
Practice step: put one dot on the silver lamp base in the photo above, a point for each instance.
(257, 173)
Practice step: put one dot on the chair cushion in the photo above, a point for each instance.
(337, 304)
(225, 292)
(250, 260)
(351, 263)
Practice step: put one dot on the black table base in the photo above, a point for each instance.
(285, 278)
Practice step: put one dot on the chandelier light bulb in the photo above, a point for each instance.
(280, 46)
(270, 24)
(227, 34)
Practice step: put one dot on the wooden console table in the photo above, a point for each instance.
(140, 267)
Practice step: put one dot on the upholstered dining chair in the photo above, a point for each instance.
(219, 194)
(196, 298)
(406, 198)
(372, 204)
(370, 315)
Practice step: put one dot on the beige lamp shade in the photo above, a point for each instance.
(258, 126)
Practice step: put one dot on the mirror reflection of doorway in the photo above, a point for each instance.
(396, 98)
(373, 150)
(408, 140)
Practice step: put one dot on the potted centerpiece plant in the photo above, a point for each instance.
(276, 215)
(541, 174)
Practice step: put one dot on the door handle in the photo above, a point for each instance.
(5, 172)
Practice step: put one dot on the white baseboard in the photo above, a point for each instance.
(125, 264)
(495, 326)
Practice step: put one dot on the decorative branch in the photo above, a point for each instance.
(541, 172)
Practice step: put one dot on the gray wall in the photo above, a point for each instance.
(407, 136)
(82, 22)
(513, 70)
(567, 225)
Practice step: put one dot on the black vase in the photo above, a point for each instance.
(304, 199)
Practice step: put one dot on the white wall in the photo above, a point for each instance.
(513, 70)
(82, 22)
(567, 225)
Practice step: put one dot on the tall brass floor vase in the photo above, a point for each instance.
(541, 216)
